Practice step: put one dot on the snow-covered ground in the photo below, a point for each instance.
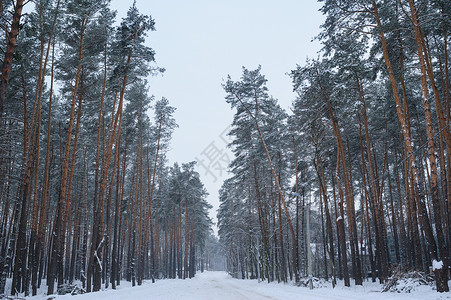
(219, 285)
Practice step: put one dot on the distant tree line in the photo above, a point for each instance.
(86, 193)
(366, 148)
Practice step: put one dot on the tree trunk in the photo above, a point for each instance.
(341, 226)
(56, 254)
(441, 274)
(442, 284)
(348, 191)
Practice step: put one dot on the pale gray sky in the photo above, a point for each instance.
(200, 42)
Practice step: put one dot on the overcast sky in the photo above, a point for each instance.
(199, 43)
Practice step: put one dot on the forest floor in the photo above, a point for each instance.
(219, 285)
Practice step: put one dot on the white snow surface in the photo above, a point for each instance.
(437, 265)
(220, 286)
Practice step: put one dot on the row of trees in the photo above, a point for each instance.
(86, 193)
(367, 146)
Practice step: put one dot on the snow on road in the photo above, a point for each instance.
(220, 286)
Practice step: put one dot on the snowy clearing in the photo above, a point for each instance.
(219, 285)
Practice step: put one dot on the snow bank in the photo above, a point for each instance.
(220, 286)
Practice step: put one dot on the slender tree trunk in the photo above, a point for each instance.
(404, 249)
(341, 226)
(442, 284)
(367, 216)
(290, 224)
(263, 226)
(185, 259)
(296, 245)
(56, 254)
(441, 274)
(330, 250)
(97, 242)
(348, 191)
(394, 221)
(142, 218)
(337, 223)
(118, 205)
(150, 190)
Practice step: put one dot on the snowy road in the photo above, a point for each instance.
(220, 286)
